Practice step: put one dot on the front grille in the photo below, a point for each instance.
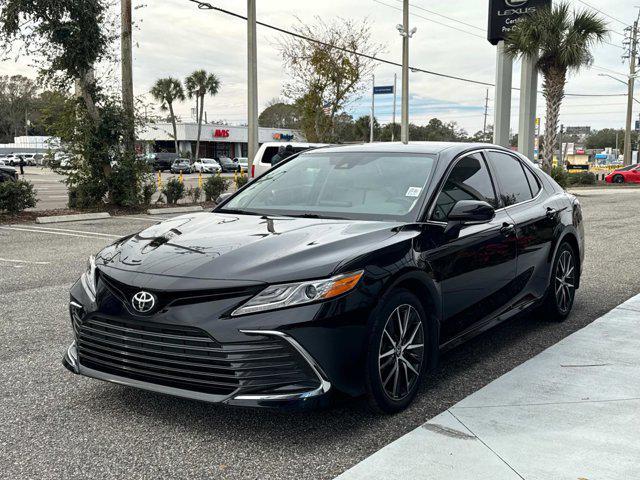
(188, 358)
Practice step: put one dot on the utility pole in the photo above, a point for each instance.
(252, 84)
(633, 54)
(373, 108)
(486, 114)
(393, 123)
(127, 76)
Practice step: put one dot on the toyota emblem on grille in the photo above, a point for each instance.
(143, 302)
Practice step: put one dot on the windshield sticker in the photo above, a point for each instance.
(413, 192)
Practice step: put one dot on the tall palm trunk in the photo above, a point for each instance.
(200, 115)
(553, 91)
(175, 128)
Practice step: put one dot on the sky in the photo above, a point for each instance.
(173, 38)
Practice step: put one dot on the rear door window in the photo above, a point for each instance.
(514, 186)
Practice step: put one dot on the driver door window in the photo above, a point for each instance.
(469, 180)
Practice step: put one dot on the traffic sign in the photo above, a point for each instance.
(383, 90)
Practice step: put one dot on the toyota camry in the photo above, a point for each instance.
(343, 271)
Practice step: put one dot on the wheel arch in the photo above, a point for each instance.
(570, 236)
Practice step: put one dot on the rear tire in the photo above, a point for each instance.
(397, 352)
(561, 293)
(618, 179)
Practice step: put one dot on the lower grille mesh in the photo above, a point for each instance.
(188, 358)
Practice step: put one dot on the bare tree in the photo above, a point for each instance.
(328, 73)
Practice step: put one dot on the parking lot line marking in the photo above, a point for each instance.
(50, 233)
(81, 232)
(23, 261)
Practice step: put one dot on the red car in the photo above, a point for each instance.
(630, 174)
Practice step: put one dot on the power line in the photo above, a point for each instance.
(604, 13)
(444, 16)
(434, 21)
(207, 6)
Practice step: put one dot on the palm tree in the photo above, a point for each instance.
(199, 84)
(166, 91)
(561, 40)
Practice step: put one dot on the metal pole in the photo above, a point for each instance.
(252, 84)
(404, 129)
(373, 109)
(486, 113)
(632, 73)
(127, 74)
(395, 91)
(502, 96)
(561, 141)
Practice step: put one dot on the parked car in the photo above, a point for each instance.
(243, 162)
(32, 159)
(161, 161)
(206, 165)
(228, 165)
(181, 165)
(12, 159)
(630, 174)
(267, 151)
(353, 266)
(7, 173)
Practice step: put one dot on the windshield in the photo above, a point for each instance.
(370, 186)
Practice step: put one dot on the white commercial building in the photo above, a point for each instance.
(31, 144)
(215, 140)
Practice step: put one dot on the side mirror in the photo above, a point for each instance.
(468, 211)
(222, 198)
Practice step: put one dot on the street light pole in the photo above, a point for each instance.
(631, 83)
(393, 123)
(127, 74)
(404, 129)
(252, 141)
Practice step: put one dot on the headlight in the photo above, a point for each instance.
(89, 277)
(290, 294)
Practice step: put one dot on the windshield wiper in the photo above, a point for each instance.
(314, 215)
(235, 211)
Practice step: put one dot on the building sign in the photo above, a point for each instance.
(284, 137)
(578, 130)
(383, 90)
(504, 14)
(221, 133)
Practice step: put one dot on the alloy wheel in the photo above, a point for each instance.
(401, 352)
(565, 281)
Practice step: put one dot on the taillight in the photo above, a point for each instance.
(253, 170)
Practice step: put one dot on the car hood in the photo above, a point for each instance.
(245, 248)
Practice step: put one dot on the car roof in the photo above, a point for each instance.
(432, 148)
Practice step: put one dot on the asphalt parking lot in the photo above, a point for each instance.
(57, 425)
(52, 193)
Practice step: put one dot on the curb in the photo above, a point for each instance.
(161, 211)
(73, 218)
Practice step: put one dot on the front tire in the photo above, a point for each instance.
(562, 287)
(618, 179)
(397, 352)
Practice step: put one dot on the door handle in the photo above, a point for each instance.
(508, 229)
(551, 213)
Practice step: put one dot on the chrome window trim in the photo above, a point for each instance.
(324, 387)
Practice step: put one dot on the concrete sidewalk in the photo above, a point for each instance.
(571, 412)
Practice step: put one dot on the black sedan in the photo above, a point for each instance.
(344, 270)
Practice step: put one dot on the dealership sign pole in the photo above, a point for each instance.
(503, 15)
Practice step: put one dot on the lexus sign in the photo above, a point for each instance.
(504, 14)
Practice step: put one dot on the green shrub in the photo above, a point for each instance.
(86, 194)
(214, 187)
(194, 193)
(148, 190)
(241, 181)
(582, 178)
(17, 196)
(174, 191)
(560, 175)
